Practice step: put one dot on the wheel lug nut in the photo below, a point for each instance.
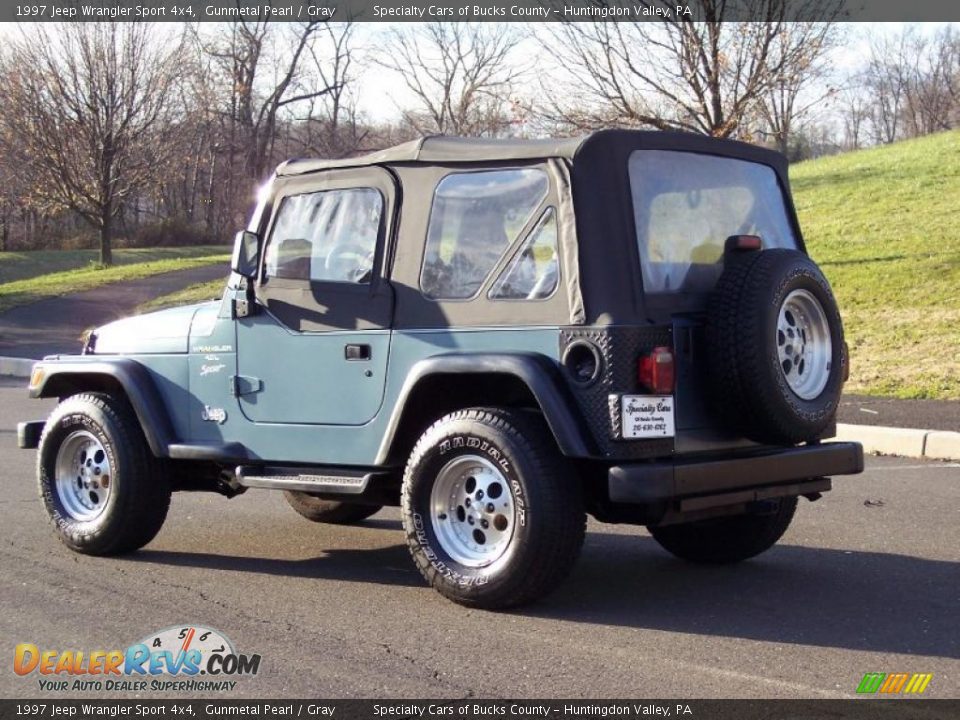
(479, 494)
(467, 502)
(490, 507)
(484, 524)
(470, 520)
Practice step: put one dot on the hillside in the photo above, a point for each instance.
(884, 224)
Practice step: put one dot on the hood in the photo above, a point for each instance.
(164, 331)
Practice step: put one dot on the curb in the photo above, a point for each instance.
(15, 367)
(906, 442)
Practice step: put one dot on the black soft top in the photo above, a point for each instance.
(587, 149)
(446, 149)
(601, 257)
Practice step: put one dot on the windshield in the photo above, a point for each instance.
(686, 205)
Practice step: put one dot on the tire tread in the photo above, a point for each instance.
(558, 546)
(142, 508)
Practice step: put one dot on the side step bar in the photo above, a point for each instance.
(366, 486)
(336, 481)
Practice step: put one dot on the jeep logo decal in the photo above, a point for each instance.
(211, 414)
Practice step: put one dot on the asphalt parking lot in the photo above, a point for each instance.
(866, 580)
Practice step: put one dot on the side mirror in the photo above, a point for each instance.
(246, 254)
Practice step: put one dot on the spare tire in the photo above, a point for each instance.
(777, 358)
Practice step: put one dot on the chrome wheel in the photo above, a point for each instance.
(472, 511)
(84, 478)
(804, 347)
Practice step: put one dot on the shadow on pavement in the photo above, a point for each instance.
(804, 595)
(380, 566)
(853, 600)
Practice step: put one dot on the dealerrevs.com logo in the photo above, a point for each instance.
(188, 658)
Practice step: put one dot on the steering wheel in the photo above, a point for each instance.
(349, 261)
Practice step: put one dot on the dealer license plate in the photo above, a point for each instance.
(647, 416)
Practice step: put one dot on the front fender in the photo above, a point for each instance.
(59, 378)
(539, 375)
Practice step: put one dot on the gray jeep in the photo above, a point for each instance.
(499, 336)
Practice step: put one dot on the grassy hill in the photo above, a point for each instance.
(884, 224)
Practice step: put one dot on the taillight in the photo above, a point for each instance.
(743, 243)
(656, 371)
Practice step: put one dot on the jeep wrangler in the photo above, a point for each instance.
(500, 337)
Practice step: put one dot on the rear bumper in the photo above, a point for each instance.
(704, 483)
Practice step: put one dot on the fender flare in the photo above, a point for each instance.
(136, 382)
(539, 375)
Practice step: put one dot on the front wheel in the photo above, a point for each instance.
(493, 517)
(727, 539)
(103, 490)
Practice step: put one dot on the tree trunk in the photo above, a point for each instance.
(783, 142)
(106, 238)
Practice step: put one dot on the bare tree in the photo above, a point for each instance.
(331, 126)
(855, 113)
(886, 78)
(264, 65)
(87, 110)
(802, 84)
(678, 74)
(461, 75)
(932, 87)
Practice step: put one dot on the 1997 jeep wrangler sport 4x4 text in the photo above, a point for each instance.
(498, 336)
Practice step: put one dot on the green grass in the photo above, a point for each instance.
(25, 265)
(31, 289)
(883, 225)
(201, 292)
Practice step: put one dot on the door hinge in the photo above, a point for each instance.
(241, 302)
(244, 385)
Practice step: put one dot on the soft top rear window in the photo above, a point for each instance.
(686, 205)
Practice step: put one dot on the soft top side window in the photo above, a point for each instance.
(327, 236)
(475, 218)
(534, 271)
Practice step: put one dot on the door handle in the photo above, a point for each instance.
(356, 352)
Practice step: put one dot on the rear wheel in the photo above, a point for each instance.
(103, 489)
(494, 518)
(333, 512)
(728, 539)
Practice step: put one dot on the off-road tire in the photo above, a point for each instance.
(332, 512)
(550, 519)
(728, 539)
(140, 493)
(748, 389)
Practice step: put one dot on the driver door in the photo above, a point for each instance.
(315, 350)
